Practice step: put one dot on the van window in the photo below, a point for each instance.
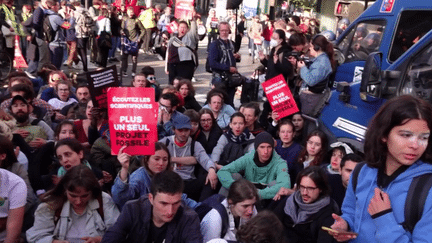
(418, 79)
(412, 26)
(363, 39)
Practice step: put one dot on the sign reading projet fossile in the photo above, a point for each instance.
(133, 120)
(280, 97)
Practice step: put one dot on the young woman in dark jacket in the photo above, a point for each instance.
(277, 61)
(308, 208)
(187, 91)
(209, 132)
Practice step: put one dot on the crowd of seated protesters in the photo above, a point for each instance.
(60, 148)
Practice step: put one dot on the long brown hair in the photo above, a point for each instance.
(158, 146)
(320, 42)
(78, 176)
(321, 155)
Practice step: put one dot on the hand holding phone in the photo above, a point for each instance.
(339, 232)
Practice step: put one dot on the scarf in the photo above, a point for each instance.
(243, 137)
(300, 211)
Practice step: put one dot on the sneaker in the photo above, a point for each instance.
(125, 74)
(133, 75)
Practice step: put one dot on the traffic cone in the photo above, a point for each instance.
(19, 61)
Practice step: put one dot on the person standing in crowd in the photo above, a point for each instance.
(397, 151)
(147, 18)
(9, 20)
(308, 208)
(158, 217)
(115, 33)
(94, 11)
(277, 61)
(267, 34)
(316, 76)
(82, 31)
(212, 27)
(42, 46)
(164, 19)
(134, 31)
(222, 61)
(181, 56)
(255, 31)
(103, 24)
(58, 44)
(71, 40)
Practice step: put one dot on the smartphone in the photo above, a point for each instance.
(339, 232)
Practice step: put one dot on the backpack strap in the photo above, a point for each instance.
(355, 175)
(224, 215)
(35, 122)
(192, 147)
(416, 199)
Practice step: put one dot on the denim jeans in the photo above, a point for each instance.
(115, 44)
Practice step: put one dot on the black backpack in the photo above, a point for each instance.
(415, 200)
(48, 31)
(214, 202)
(233, 151)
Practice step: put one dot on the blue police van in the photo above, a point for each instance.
(385, 52)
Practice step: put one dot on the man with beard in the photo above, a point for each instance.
(34, 131)
(77, 110)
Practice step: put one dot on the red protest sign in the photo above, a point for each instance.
(132, 120)
(280, 97)
(183, 9)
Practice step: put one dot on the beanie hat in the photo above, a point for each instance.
(264, 137)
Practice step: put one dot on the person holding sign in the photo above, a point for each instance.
(316, 76)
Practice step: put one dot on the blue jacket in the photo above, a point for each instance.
(216, 55)
(387, 227)
(318, 70)
(138, 185)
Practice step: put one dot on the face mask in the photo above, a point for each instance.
(273, 43)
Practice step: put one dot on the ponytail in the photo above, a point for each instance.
(327, 47)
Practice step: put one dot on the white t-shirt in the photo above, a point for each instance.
(59, 104)
(13, 194)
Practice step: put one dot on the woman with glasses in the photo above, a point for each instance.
(208, 132)
(308, 209)
(64, 93)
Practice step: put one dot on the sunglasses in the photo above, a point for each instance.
(151, 78)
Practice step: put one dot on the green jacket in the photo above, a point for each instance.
(275, 174)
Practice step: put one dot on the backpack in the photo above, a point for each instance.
(214, 202)
(86, 23)
(57, 213)
(233, 151)
(415, 200)
(48, 31)
(220, 46)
